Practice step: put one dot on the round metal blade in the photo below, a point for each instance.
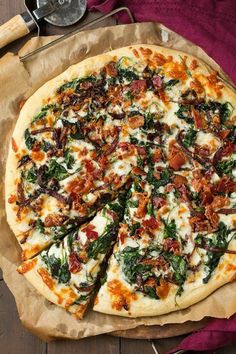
(67, 12)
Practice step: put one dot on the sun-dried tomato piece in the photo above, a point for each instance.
(90, 233)
(74, 263)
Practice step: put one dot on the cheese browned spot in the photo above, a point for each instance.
(163, 289)
(121, 297)
(26, 267)
(14, 145)
(47, 279)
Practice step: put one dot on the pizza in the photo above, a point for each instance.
(66, 273)
(120, 183)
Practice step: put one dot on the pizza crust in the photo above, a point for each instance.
(36, 280)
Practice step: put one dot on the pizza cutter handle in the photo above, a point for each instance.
(13, 29)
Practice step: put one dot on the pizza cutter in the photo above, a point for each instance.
(57, 12)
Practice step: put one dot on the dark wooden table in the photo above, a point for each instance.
(14, 339)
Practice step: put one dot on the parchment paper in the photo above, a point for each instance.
(17, 82)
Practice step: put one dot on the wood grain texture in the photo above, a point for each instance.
(14, 339)
(100, 345)
(8, 9)
(13, 29)
(133, 346)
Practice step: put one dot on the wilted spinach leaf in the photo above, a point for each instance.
(31, 175)
(104, 242)
(226, 167)
(40, 226)
(190, 137)
(170, 229)
(56, 170)
(29, 140)
(170, 83)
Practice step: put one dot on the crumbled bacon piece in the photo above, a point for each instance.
(223, 133)
(140, 231)
(138, 171)
(138, 86)
(127, 149)
(111, 69)
(219, 202)
(198, 224)
(86, 85)
(184, 193)
(171, 245)
(212, 216)
(143, 200)
(103, 161)
(54, 220)
(141, 151)
(156, 156)
(206, 197)
(79, 205)
(203, 150)
(151, 223)
(201, 183)
(81, 185)
(122, 236)
(89, 165)
(136, 121)
(225, 185)
(228, 149)
(179, 180)
(176, 157)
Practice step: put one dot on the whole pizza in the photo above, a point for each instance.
(120, 183)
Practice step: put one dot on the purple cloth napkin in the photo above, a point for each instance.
(218, 333)
(211, 24)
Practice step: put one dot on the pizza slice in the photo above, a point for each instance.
(160, 264)
(67, 272)
(56, 187)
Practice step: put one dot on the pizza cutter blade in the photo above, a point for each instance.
(60, 12)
